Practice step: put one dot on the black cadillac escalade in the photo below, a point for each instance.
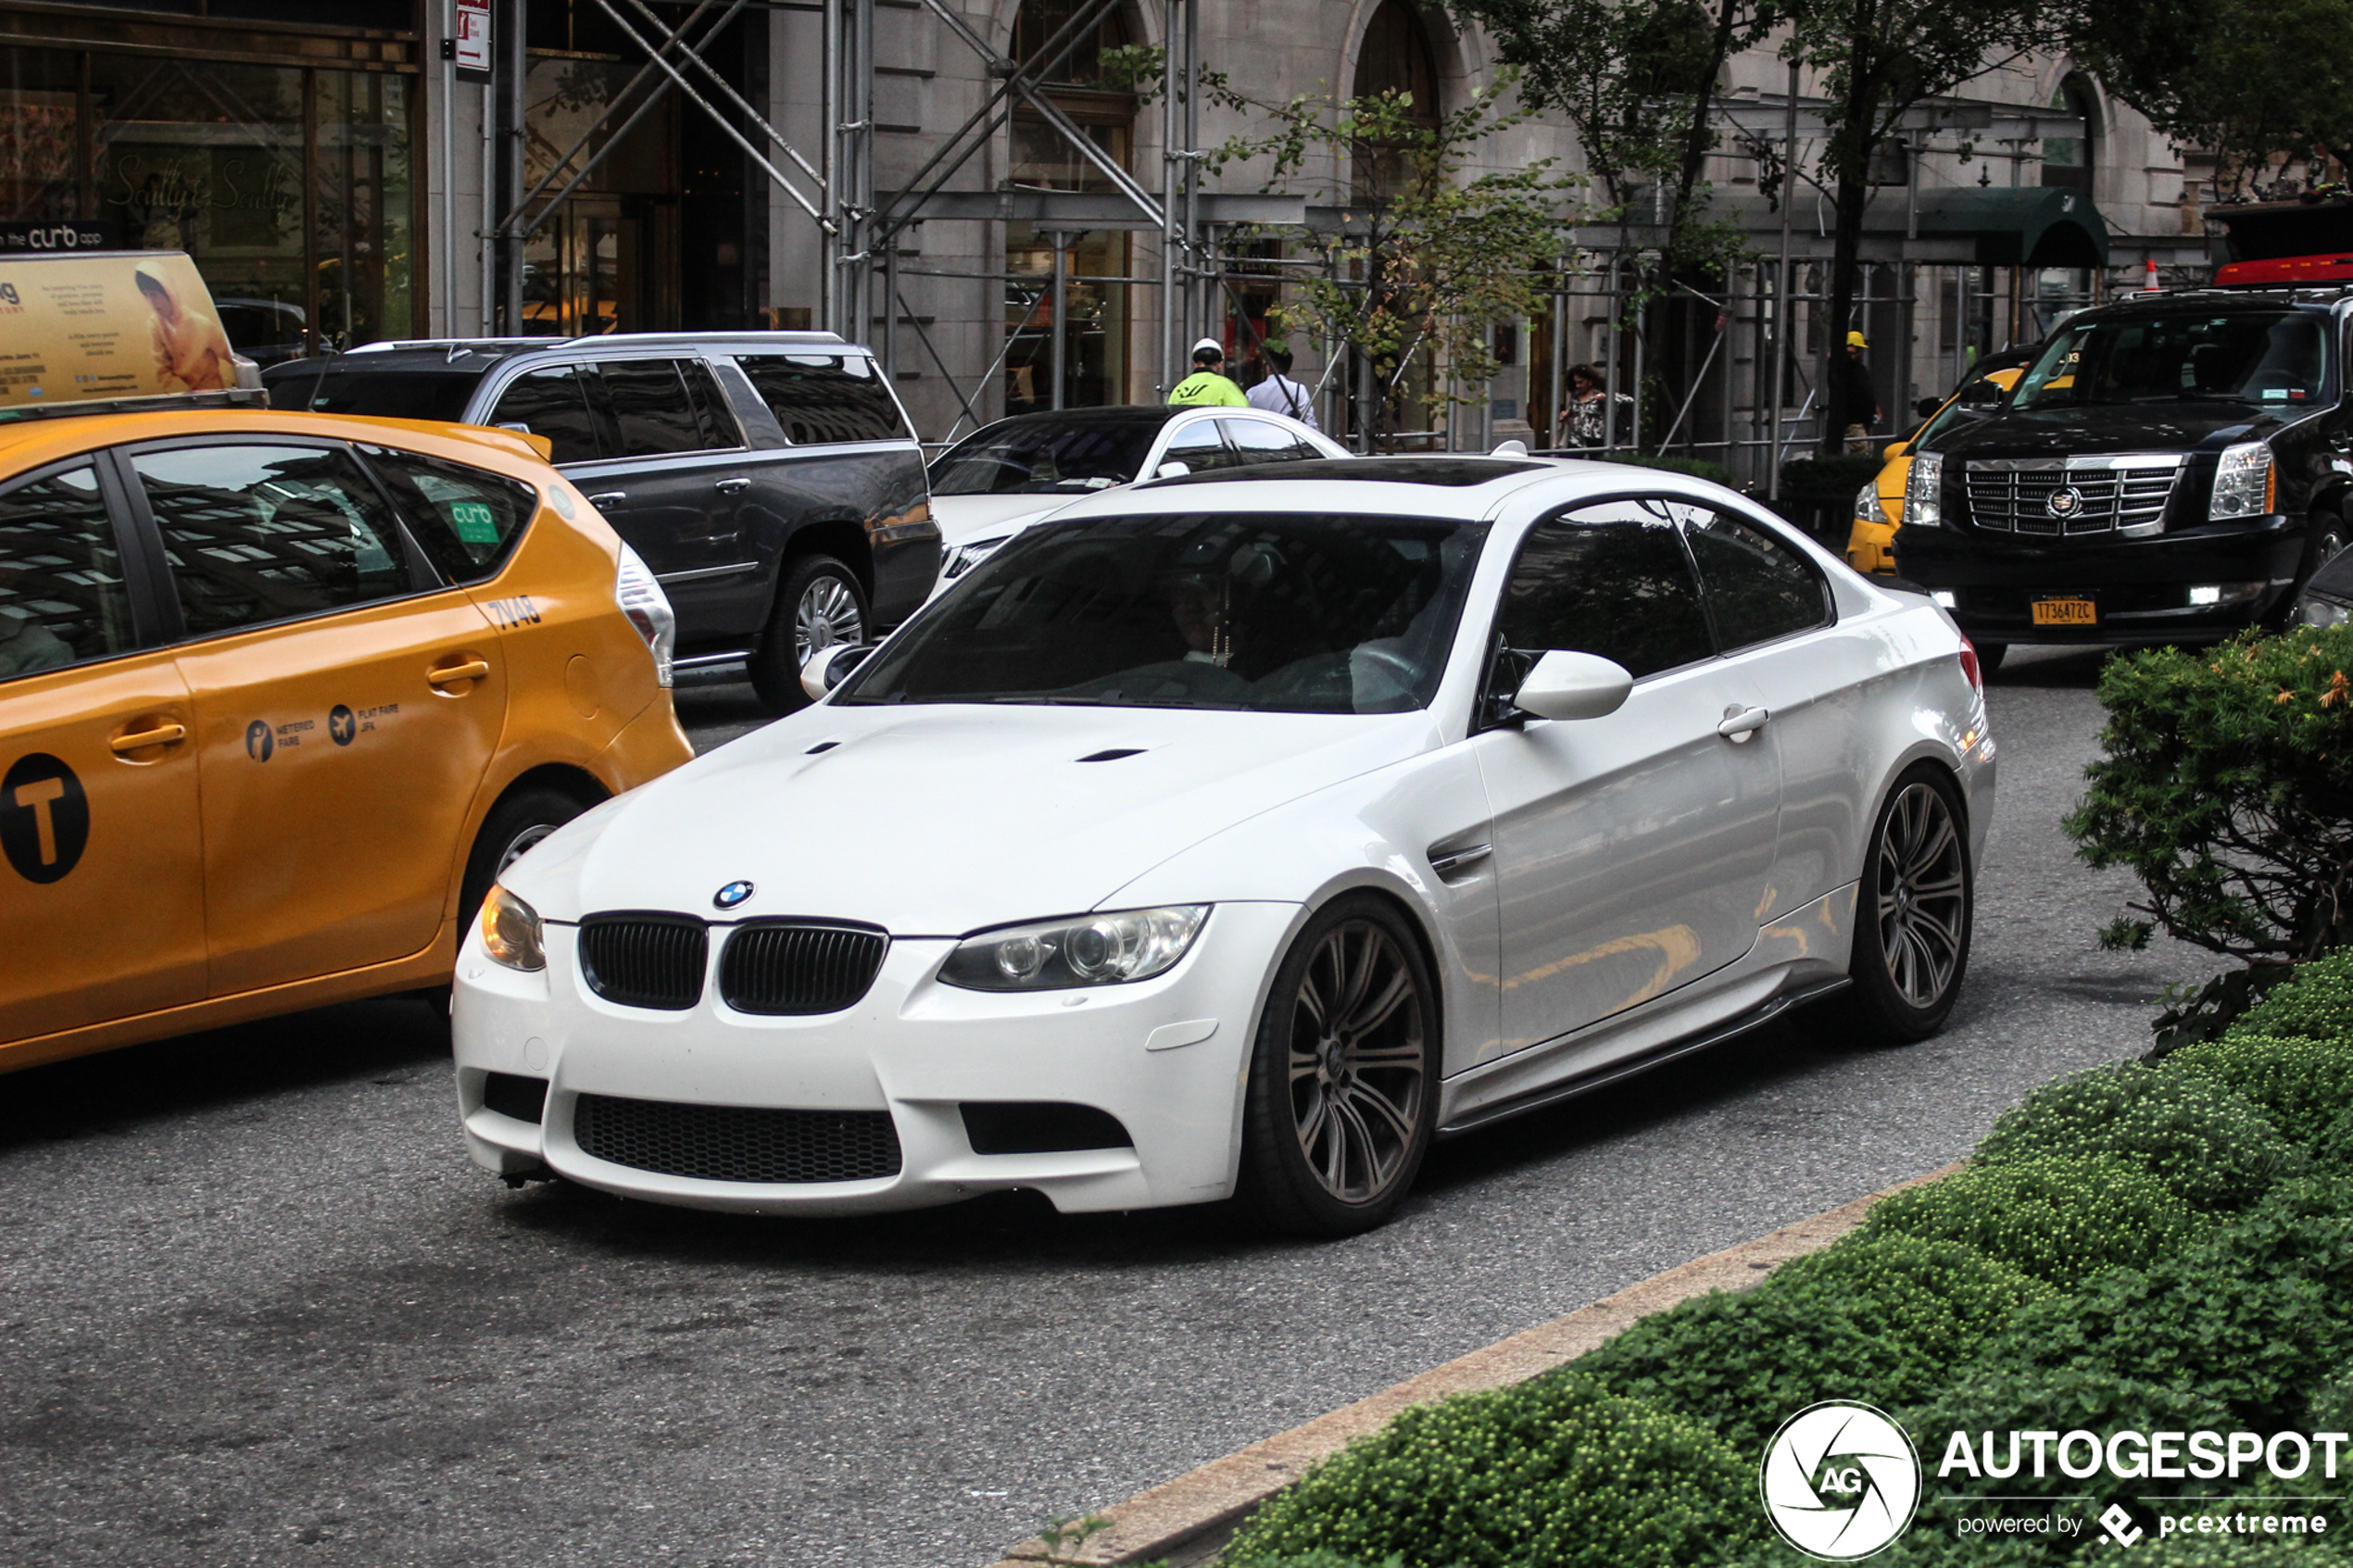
(2170, 469)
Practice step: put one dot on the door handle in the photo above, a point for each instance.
(1740, 723)
(608, 499)
(138, 740)
(732, 487)
(450, 674)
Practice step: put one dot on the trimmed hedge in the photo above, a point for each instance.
(2303, 1083)
(1555, 1474)
(2207, 1143)
(2061, 1221)
(2316, 1004)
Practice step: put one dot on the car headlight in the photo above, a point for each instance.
(1923, 491)
(964, 557)
(1109, 950)
(1867, 504)
(511, 932)
(2314, 610)
(2246, 485)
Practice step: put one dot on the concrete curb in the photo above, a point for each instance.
(1189, 1520)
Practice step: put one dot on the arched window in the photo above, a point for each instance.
(2068, 143)
(1396, 57)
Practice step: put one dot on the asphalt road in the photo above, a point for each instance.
(255, 1306)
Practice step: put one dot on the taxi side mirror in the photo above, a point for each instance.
(1983, 395)
(1573, 685)
(829, 666)
(1893, 449)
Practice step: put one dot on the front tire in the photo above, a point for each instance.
(1342, 1097)
(514, 826)
(819, 604)
(1915, 907)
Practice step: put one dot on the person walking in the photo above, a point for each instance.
(1207, 388)
(1280, 395)
(1585, 424)
(1857, 399)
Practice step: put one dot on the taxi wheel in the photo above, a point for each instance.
(1990, 657)
(520, 821)
(819, 604)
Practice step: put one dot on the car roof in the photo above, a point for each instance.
(462, 356)
(1462, 487)
(33, 441)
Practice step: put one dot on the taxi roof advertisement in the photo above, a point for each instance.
(78, 328)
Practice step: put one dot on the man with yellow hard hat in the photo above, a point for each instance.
(1207, 388)
(1857, 400)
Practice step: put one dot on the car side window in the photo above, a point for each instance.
(1757, 588)
(61, 597)
(651, 408)
(552, 403)
(466, 521)
(825, 397)
(1198, 447)
(1255, 441)
(255, 534)
(1609, 579)
(720, 431)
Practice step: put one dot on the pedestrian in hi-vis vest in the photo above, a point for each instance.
(1207, 388)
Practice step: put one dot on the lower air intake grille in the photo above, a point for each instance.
(645, 960)
(798, 969)
(726, 1143)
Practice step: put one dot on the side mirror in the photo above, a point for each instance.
(1983, 395)
(1172, 470)
(1573, 685)
(1892, 450)
(829, 666)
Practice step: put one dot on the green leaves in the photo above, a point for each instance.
(2213, 1148)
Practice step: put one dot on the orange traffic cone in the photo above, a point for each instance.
(2151, 274)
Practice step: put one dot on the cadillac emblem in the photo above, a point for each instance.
(2065, 502)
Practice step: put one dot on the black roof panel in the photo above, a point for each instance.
(1453, 472)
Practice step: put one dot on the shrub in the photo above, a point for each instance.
(2316, 1003)
(2061, 1221)
(2223, 788)
(2191, 1131)
(1935, 1298)
(1554, 1473)
(2303, 1084)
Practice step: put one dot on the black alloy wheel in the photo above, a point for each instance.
(1917, 904)
(1343, 1086)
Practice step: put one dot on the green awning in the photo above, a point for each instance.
(2015, 225)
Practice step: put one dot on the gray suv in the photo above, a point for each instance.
(770, 479)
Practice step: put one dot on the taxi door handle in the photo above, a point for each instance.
(1739, 725)
(732, 487)
(450, 674)
(608, 499)
(138, 740)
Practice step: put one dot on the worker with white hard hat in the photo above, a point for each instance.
(1207, 388)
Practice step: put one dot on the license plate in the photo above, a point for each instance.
(2065, 612)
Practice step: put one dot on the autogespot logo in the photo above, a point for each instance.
(1839, 1481)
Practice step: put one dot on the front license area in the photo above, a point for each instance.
(2072, 610)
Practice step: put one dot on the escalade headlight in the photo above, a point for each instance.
(2246, 484)
(1923, 489)
(511, 932)
(1109, 950)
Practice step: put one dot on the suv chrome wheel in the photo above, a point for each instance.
(1922, 892)
(827, 613)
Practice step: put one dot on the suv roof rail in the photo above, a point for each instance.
(457, 345)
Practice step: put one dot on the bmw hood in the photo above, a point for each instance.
(941, 819)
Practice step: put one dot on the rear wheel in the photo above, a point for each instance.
(1344, 1081)
(1990, 657)
(819, 604)
(514, 827)
(1917, 904)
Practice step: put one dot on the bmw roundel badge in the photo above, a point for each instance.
(732, 895)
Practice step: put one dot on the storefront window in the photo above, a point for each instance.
(603, 261)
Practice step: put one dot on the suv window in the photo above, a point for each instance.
(1757, 588)
(1610, 579)
(466, 521)
(257, 533)
(651, 408)
(824, 397)
(720, 431)
(553, 403)
(61, 599)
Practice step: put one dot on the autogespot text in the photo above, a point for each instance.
(2135, 1456)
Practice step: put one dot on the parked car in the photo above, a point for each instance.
(280, 696)
(2327, 598)
(1879, 509)
(2172, 469)
(1300, 813)
(769, 478)
(999, 479)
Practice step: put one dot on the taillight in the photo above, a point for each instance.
(1970, 667)
(647, 607)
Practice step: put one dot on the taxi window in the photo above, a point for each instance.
(61, 599)
(255, 534)
(553, 403)
(467, 521)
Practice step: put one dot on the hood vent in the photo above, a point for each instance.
(1114, 754)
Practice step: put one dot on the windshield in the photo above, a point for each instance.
(2274, 357)
(1045, 458)
(1275, 612)
(386, 394)
(1956, 413)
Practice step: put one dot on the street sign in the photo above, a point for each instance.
(472, 40)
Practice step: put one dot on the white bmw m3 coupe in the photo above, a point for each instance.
(1243, 834)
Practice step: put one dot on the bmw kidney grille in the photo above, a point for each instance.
(645, 960)
(786, 969)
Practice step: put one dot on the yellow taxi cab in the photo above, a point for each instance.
(279, 694)
(1879, 510)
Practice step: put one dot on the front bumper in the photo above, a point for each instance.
(2142, 586)
(912, 1047)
